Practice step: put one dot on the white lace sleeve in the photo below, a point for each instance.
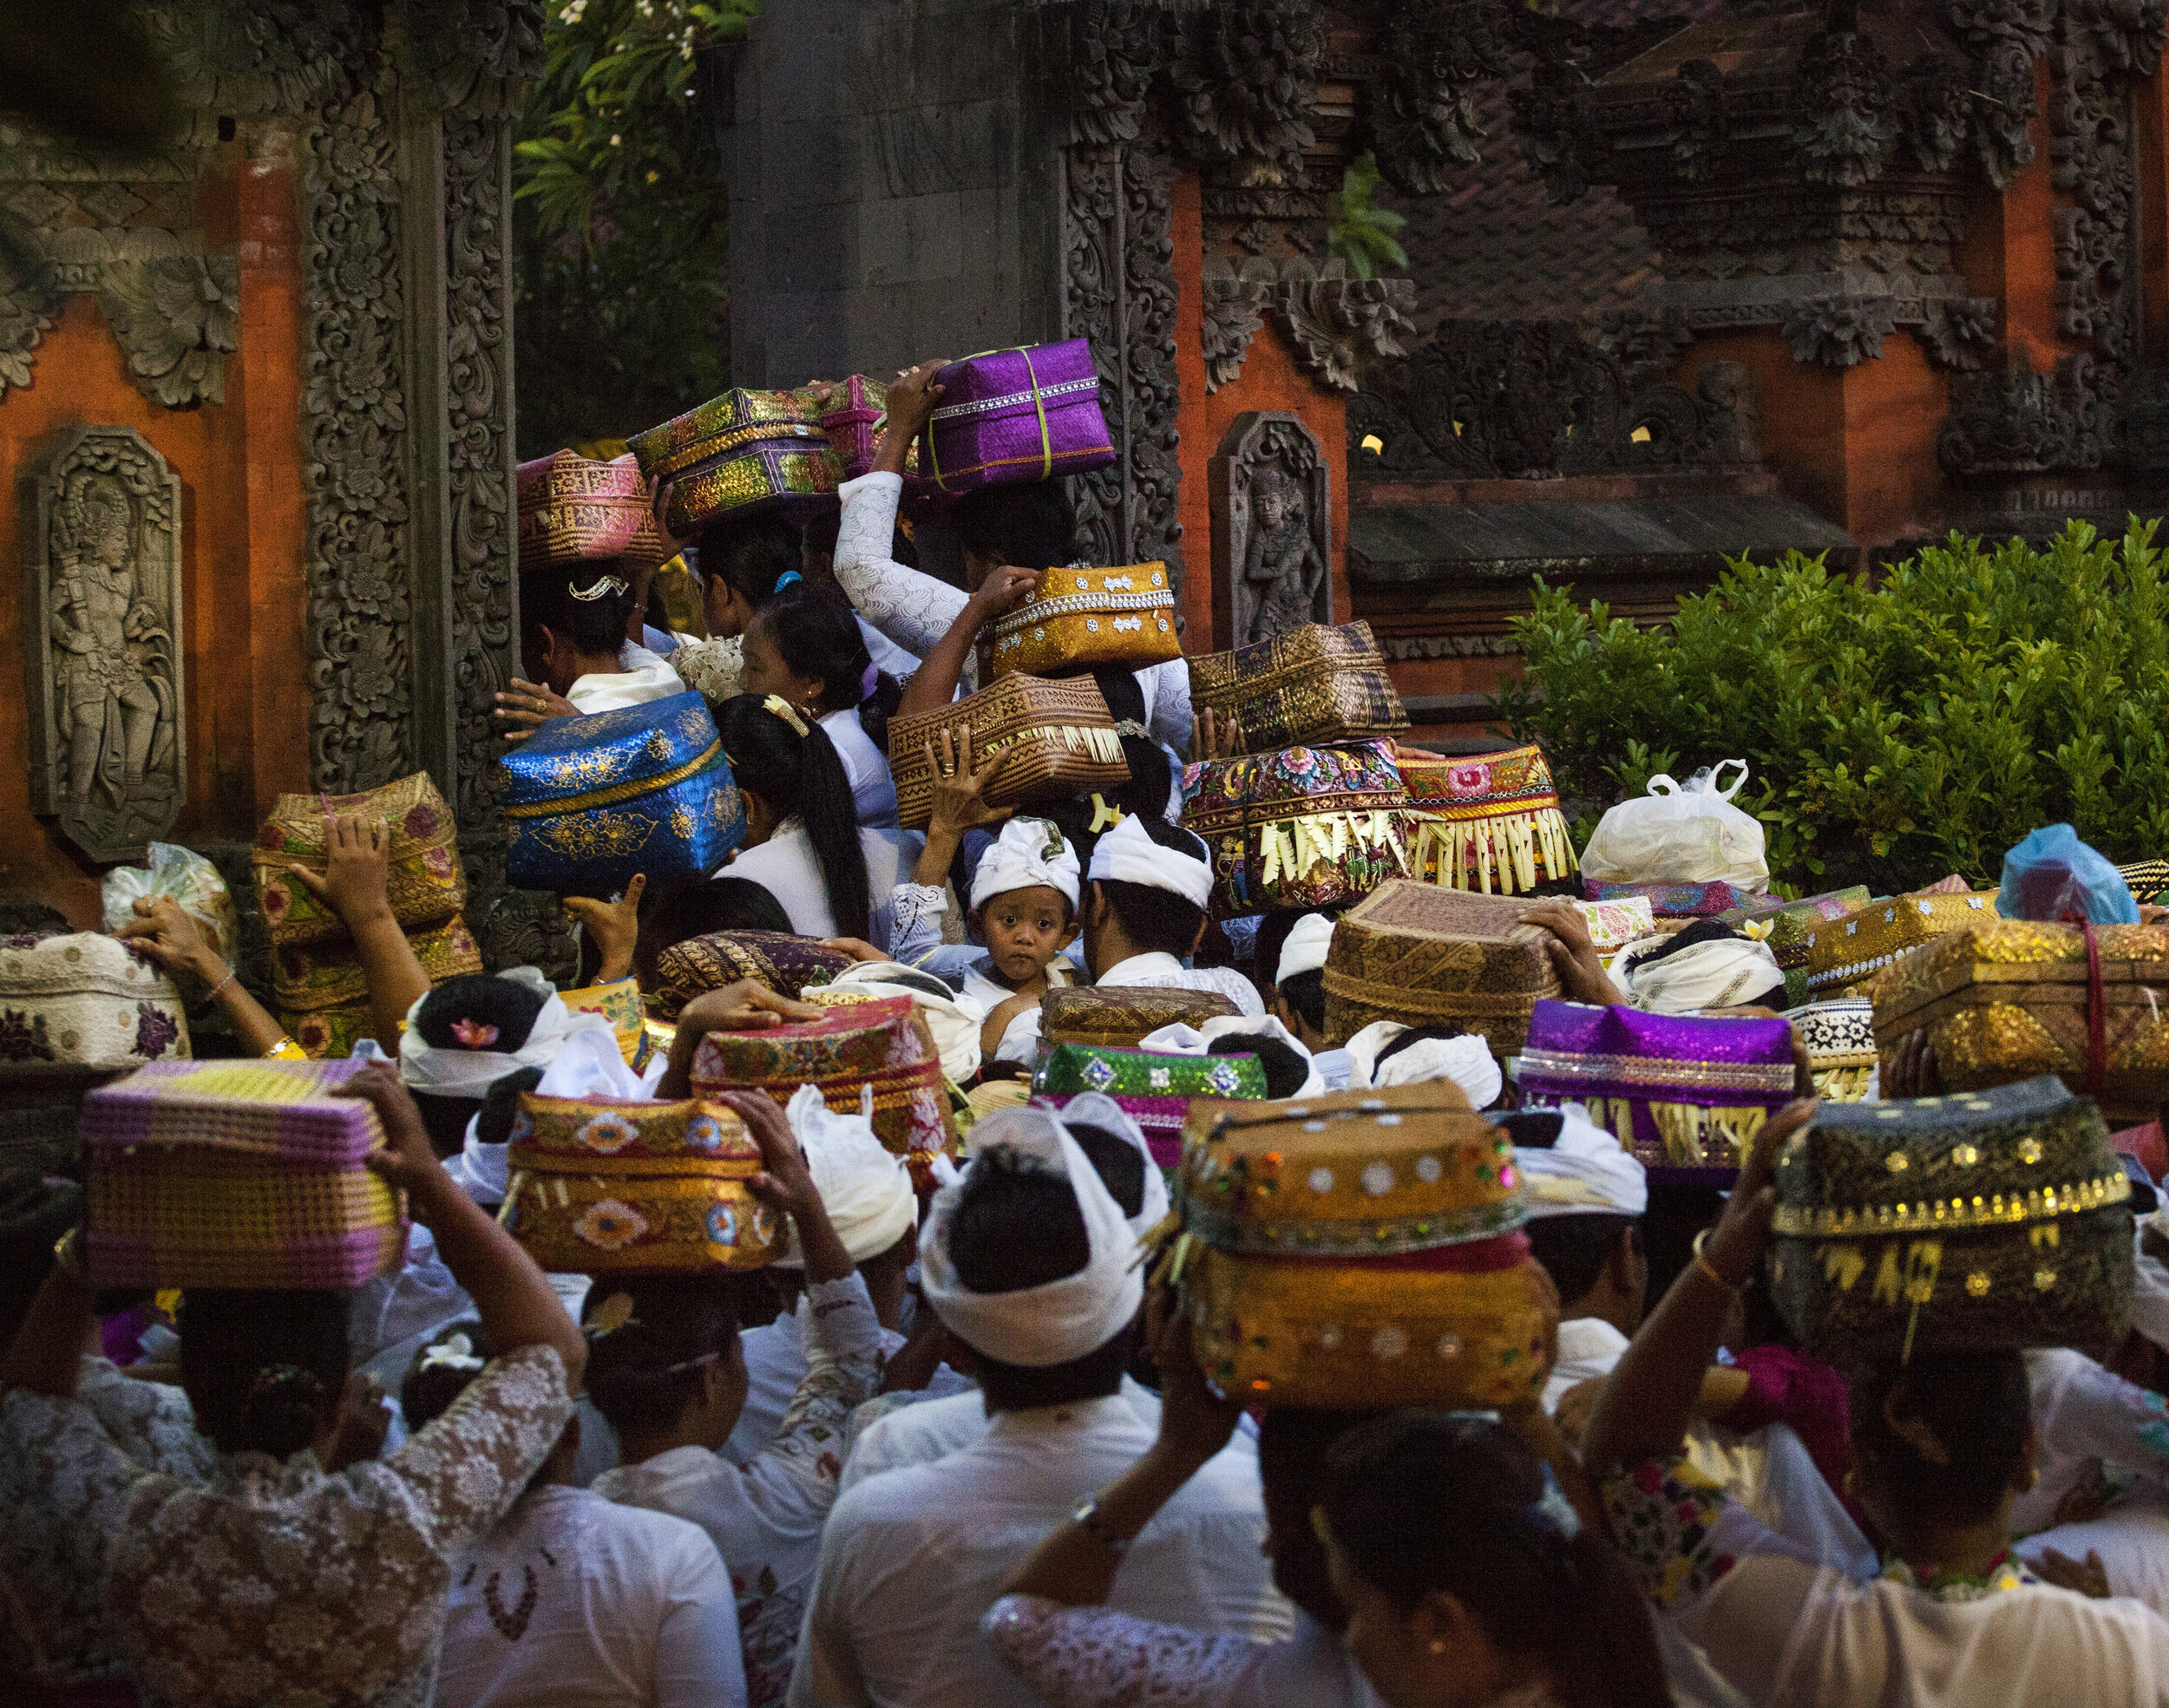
(1095, 1658)
(911, 608)
(1170, 714)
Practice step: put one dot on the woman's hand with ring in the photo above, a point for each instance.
(528, 707)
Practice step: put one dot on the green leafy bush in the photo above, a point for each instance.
(1897, 732)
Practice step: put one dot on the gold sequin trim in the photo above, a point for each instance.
(623, 791)
(1927, 1216)
(1649, 1070)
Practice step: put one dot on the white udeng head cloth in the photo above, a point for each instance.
(1062, 1320)
(1583, 1172)
(1305, 949)
(1126, 855)
(864, 1188)
(461, 1072)
(1029, 852)
(1720, 974)
(1467, 1061)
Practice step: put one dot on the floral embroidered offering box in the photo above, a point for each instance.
(1986, 1218)
(86, 1000)
(643, 789)
(1310, 685)
(1489, 821)
(602, 1186)
(244, 1174)
(1154, 1088)
(1306, 827)
(1361, 1247)
(1845, 953)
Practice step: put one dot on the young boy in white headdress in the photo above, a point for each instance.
(1299, 989)
(1024, 906)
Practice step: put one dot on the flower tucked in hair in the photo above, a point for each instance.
(473, 1035)
(454, 1351)
(615, 1313)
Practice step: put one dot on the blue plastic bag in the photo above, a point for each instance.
(2053, 875)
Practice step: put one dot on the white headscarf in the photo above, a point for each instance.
(1063, 1320)
(1126, 855)
(460, 1072)
(1096, 1108)
(1180, 1038)
(1720, 974)
(953, 1020)
(1305, 950)
(1467, 1061)
(1585, 1171)
(1029, 852)
(2150, 1296)
(866, 1190)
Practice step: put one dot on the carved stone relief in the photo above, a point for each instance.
(1532, 399)
(1337, 323)
(1272, 507)
(102, 629)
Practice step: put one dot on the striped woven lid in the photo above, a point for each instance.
(282, 1111)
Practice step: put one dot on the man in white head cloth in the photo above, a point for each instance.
(1032, 1264)
(867, 1192)
(908, 1428)
(1388, 1053)
(1298, 992)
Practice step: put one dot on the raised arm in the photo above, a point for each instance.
(517, 1305)
(912, 609)
(933, 685)
(355, 886)
(164, 931)
(1645, 1409)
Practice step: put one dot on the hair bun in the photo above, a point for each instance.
(284, 1410)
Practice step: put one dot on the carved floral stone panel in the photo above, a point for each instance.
(102, 630)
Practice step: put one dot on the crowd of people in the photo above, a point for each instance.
(956, 1446)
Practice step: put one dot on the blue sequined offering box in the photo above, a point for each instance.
(1682, 1091)
(643, 789)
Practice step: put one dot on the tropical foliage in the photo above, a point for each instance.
(1897, 732)
(619, 221)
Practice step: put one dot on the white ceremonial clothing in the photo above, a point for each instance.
(2131, 1535)
(888, 657)
(911, 1560)
(775, 1365)
(785, 868)
(765, 1517)
(919, 1433)
(872, 790)
(1332, 1066)
(662, 641)
(643, 677)
(1588, 1347)
(914, 610)
(2085, 1417)
(1093, 1657)
(581, 1603)
(1783, 1630)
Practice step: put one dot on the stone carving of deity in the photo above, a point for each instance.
(107, 654)
(1272, 528)
(1283, 565)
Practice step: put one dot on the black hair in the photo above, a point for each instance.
(1427, 1502)
(1285, 1070)
(574, 601)
(36, 1210)
(819, 637)
(1440, 1030)
(646, 1370)
(752, 553)
(1119, 1163)
(1714, 931)
(501, 1105)
(486, 999)
(700, 909)
(264, 1370)
(1016, 1225)
(1154, 917)
(1574, 1248)
(801, 776)
(1029, 526)
(428, 1389)
(1292, 1442)
(1305, 992)
(1146, 791)
(1944, 1434)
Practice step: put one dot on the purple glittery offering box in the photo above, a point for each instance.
(1016, 415)
(1683, 1092)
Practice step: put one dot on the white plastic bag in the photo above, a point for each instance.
(188, 877)
(1675, 835)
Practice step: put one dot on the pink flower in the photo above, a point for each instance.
(1463, 779)
(419, 822)
(474, 1036)
(276, 901)
(438, 863)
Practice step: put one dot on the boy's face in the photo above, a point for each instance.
(1024, 929)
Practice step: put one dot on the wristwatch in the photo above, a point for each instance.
(1085, 1515)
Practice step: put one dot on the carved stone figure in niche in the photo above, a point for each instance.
(1272, 528)
(104, 587)
(1283, 569)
